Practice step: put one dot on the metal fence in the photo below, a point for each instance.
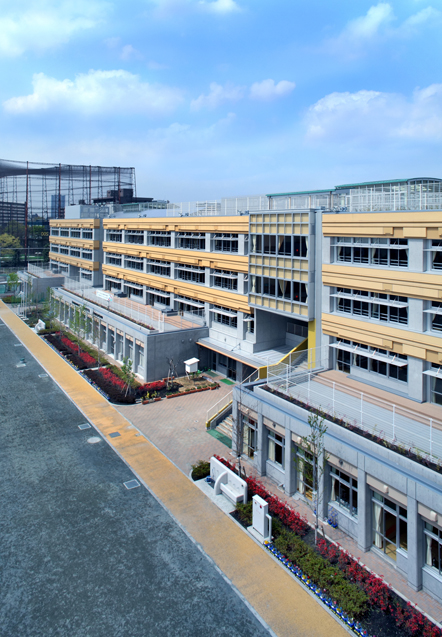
(146, 315)
(389, 422)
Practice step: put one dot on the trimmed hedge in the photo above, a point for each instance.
(352, 600)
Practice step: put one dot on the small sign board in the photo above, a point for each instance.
(103, 295)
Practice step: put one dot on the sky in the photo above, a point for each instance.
(219, 98)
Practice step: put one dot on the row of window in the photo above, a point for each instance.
(381, 307)
(73, 252)
(220, 242)
(279, 288)
(378, 361)
(371, 251)
(281, 245)
(73, 233)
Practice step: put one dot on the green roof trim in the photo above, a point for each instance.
(299, 192)
(373, 183)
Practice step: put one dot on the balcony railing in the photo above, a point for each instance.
(393, 423)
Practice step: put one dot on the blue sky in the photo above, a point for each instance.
(213, 98)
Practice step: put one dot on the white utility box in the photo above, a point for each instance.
(261, 527)
(191, 365)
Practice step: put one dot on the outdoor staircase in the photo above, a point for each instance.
(225, 427)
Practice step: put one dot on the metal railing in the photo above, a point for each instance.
(146, 315)
(407, 429)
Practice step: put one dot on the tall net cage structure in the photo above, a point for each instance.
(36, 192)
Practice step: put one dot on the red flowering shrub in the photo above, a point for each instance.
(69, 344)
(156, 385)
(110, 377)
(87, 358)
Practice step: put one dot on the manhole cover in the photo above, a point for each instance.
(131, 484)
(94, 440)
(114, 434)
(85, 426)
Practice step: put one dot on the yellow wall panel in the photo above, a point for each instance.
(403, 283)
(183, 288)
(79, 263)
(426, 224)
(218, 261)
(414, 344)
(237, 224)
(74, 223)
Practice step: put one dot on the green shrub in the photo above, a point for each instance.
(245, 512)
(200, 470)
(347, 595)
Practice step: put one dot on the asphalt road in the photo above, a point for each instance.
(80, 555)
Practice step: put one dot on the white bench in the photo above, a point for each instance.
(227, 482)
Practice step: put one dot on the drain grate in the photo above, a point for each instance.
(115, 434)
(132, 484)
(85, 426)
(42, 375)
(18, 344)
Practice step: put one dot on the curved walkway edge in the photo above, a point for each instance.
(276, 597)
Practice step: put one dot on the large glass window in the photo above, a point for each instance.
(371, 251)
(135, 236)
(113, 259)
(381, 307)
(161, 268)
(114, 235)
(160, 238)
(225, 279)
(191, 240)
(344, 490)
(276, 448)
(304, 466)
(433, 545)
(250, 435)
(225, 242)
(389, 525)
(376, 360)
(190, 273)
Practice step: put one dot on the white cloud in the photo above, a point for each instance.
(42, 24)
(374, 117)
(220, 6)
(218, 94)
(369, 25)
(166, 8)
(377, 24)
(96, 92)
(128, 52)
(268, 90)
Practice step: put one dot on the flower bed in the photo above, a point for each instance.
(111, 384)
(328, 570)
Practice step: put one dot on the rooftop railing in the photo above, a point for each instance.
(396, 424)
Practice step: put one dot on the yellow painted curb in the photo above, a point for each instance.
(282, 603)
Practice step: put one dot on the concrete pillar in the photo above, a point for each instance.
(261, 453)
(324, 488)
(365, 532)
(289, 464)
(415, 544)
(236, 444)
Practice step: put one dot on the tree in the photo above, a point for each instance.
(312, 462)
(79, 323)
(17, 230)
(13, 281)
(48, 311)
(127, 373)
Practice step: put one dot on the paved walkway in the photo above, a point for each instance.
(177, 426)
(280, 600)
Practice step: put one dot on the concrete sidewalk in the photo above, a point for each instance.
(281, 602)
